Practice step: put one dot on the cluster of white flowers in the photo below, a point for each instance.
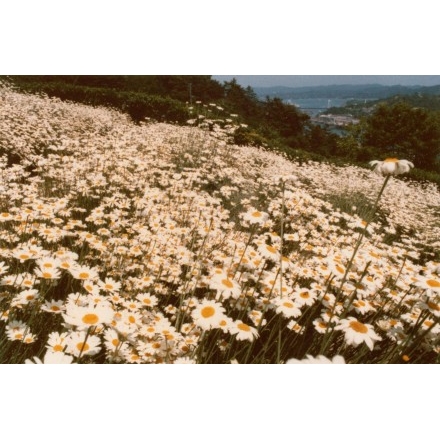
(140, 243)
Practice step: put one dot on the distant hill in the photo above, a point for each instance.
(367, 91)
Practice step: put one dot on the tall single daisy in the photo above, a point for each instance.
(391, 166)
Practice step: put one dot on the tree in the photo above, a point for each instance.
(284, 117)
(241, 101)
(405, 132)
(321, 141)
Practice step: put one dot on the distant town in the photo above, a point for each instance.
(334, 120)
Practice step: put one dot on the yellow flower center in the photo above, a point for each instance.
(271, 249)
(358, 327)
(244, 327)
(289, 305)
(57, 347)
(83, 275)
(391, 159)
(81, 346)
(256, 214)
(227, 283)
(339, 269)
(207, 311)
(433, 283)
(433, 306)
(90, 319)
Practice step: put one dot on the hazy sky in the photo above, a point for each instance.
(318, 80)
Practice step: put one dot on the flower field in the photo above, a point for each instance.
(158, 243)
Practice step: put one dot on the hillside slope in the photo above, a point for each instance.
(159, 243)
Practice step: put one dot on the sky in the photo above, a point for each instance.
(318, 80)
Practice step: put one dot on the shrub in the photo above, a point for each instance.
(138, 105)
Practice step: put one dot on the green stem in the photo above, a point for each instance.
(84, 343)
(283, 185)
(363, 232)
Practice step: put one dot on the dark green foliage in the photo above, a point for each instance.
(396, 129)
(242, 101)
(321, 141)
(405, 132)
(185, 88)
(138, 105)
(286, 119)
(180, 87)
(421, 100)
(420, 175)
(245, 136)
